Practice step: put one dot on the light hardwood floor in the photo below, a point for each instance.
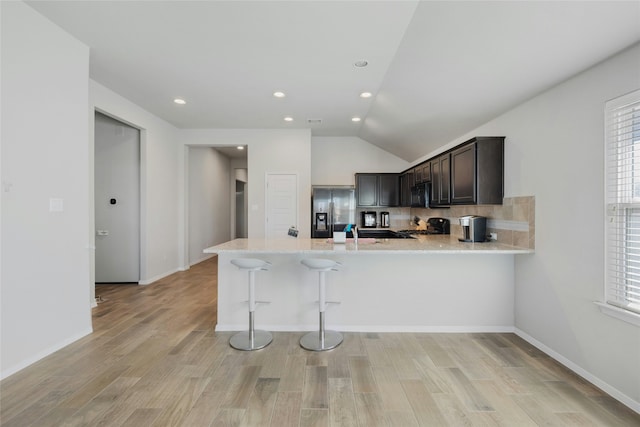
(155, 360)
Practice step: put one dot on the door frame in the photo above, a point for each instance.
(92, 197)
(266, 198)
(139, 173)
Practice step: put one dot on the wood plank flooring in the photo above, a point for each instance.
(155, 360)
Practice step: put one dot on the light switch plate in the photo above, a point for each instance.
(56, 205)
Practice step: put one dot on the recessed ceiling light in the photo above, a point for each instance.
(366, 95)
(355, 119)
(279, 94)
(240, 147)
(361, 63)
(180, 101)
(288, 119)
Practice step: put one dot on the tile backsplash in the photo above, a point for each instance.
(513, 221)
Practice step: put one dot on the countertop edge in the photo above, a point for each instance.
(425, 246)
(380, 252)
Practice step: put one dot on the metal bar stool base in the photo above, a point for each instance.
(241, 340)
(311, 341)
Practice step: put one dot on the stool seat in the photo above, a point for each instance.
(252, 339)
(321, 339)
(250, 263)
(320, 264)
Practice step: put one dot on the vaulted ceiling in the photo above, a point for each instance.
(435, 69)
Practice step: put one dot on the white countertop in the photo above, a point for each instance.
(429, 244)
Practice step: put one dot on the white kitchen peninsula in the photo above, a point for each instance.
(427, 284)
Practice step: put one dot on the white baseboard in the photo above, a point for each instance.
(41, 355)
(607, 388)
(158, 277)
(209, 256)
(169, 273)
(370, 328)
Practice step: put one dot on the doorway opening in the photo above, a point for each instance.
(241, 209)
(216, 198)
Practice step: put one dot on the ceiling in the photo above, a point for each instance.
(436, 70)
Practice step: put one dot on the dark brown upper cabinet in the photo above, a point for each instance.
(477, 172)
(471, 173)
(440, 180)
(378, 189)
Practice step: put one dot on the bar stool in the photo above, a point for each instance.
(322, 339)
(252, 339)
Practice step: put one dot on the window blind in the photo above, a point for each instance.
(622, 186)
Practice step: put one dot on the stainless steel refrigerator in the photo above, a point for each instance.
(332, 209)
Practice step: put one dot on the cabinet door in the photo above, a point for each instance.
(445, 179)
(490, 171)
(407, 181)
(426, 172)
(367, 189)
(418, 174)
(440, 180)
(463, 175)
(435, 183)
(389, 190)
(405, 190)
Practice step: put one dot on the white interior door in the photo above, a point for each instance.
(117, 201)
(281, 204)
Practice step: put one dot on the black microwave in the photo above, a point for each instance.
(420, 196)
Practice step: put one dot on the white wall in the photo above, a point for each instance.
(45, 256)
(269, 151)
(335, 160)
(160, 181)
(555, 151)
(209, 196)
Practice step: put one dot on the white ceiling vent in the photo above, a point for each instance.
(314, 121)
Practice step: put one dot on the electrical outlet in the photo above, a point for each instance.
(494, 236)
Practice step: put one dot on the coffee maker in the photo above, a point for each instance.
(474, 228)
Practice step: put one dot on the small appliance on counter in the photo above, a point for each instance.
(474, 228)
(369, 219)
(438, 226)
(384, 220)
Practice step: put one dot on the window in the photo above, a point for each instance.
(622, 187)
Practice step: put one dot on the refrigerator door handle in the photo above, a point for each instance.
(331, 224)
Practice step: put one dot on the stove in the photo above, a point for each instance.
(420, 232)
(434, 226)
